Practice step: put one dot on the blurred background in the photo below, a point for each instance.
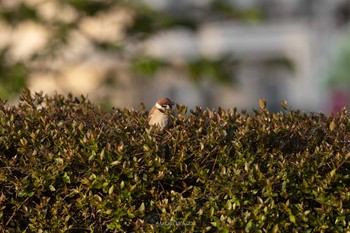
(226, 53)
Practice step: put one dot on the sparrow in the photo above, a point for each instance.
(160, 113)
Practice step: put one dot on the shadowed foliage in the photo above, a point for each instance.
(68, 166)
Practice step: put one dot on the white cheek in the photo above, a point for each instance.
(158, 106)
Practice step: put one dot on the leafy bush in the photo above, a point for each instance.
(68, 166)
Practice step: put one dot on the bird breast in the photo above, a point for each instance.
(160, 119)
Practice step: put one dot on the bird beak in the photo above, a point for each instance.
(171, 104)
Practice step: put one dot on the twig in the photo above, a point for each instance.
(14, 212)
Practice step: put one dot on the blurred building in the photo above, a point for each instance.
(284, 57)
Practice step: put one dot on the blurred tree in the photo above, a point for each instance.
(62, 20)
(338, 78)
(339, 73)
(12, 76)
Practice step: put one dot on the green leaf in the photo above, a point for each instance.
(110, 190)
(111, 226)
(102, 154)
(275, 229)
(115, 163)
(52, 188)
(59, 161)
(146, 147)
(262, 103)
(144, 177)
(333, 172)
(332, 125)
(284, 105)
(228, 205)
(211, 212)
(66, 178)
(142, 208)
(249, 226)
(292, 218)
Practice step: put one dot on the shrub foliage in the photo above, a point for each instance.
(69, 166)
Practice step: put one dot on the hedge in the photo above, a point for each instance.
(67, 165)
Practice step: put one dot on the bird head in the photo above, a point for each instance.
(164, 104)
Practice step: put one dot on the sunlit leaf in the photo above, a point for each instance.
(262, 103)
